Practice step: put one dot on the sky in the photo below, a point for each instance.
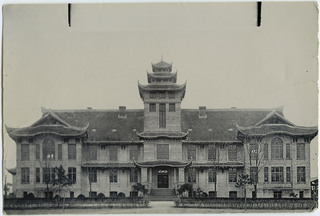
(226, 60)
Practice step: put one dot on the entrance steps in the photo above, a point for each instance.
(162, 194)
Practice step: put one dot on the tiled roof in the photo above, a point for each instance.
(227, 164)
(107, 165)
(166, 75)
(166, 87)
(162, 163)
(153, 135)
(162, 64)
(269, 129)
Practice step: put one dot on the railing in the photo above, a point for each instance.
(108, 202)
(239, 203)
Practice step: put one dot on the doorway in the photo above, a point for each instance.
(163, 178)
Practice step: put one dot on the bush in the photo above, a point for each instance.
(81, 196)
(185, 187)
(101, 195)
(30, 196)
(121, 195)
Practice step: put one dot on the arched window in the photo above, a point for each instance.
(277, 149)
(48, 149)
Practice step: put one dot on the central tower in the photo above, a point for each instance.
(162, 101)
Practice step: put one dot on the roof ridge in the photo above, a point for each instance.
(233, 109)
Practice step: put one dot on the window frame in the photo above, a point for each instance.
(277, 175)
(163, 151)
(25, 175)
(25, 152)
(277, 149)
(113, 176)
(232, 174)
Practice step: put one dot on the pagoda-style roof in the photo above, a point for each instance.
(159, 135)
(275, 124)
(161, 87)
(218, 164)
(160, 66)
(49, 123)
(95, 164)
(162, 163)
(162, 75)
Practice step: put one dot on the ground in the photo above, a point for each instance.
(156, 207)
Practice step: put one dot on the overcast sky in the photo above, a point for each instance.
(217, 48)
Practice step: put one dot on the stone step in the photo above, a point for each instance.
(162, 198)
(161, 192)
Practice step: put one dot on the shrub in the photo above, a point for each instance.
(121, 195)
(30, 196)
(185, 187)
(81, 196)
(101, 195)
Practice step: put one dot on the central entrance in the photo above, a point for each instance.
(163, 178)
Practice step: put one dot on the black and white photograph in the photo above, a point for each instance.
(159, 108)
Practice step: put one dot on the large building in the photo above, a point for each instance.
(163, 146)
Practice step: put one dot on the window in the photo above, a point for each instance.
(232, 175)
(301, 194)
(277, 194)
(25, 172)
(301, 175)
(254, 174)
(191, 174)
(163, 151)
(171, 95)
(113, 175)
(253, 151)
(277, 149)
(300, 151)
(92, 153)
(288, 151)
(162, 115)
(48, 175)
(277, 174)
(153, 94)
(72, 152)
(48, 149)
(113, 153)
(37, 175)
(266, 174)
(152, 107)
(59, 151)
(192, 152)
(212, 175)
(93, 194)
(113, 193)
(133, 175)
(162, 95)
(123, 147)
(134, 152)
(232, 152)
(72, 173)
(25, 155)
(93, 175)
(213, 194)
(233, 194)
(172, 107)
(212, 156)
(288, 174)
(37, 152)
(71, 194)
(266, 151)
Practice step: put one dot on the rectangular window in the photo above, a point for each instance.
(134, 152)
(266, 151)
(277, 194)
(192, 152)
(277, 174)
(172, 107)
(266, 174)
(72, 173)
(254, 174)
(72, 152)
(25, 154)
(152, 107)
(288, 174)
(113, 175)
(37, 152)
(171, 94)
(59, 151)
(232, 175)
(191, 175)
(93, 175)
(163, 151)
(48, 174)
(162, 115)
(232, 152)
(162, 95)
(213, 194)
(253, 151)
(277, 149)
(92, 153)
(301, 175)
(212, 156)
(37, 175)
(113, 153)
(288, 151)
(133, 175)
(212, 175)
(25, 175)
(153, 94)
(301, 151)
(93, 194)
(233, 194)
(113, 193)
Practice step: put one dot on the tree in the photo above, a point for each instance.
(242, 183)
(6, 188)
(140, 188)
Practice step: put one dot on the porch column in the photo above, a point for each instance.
(175, 177)
(150, 177)
(144, 175)
(181, 176)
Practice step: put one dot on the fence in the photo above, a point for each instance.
(108, 202)
(239, 203)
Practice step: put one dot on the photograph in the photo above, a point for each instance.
(160, 108)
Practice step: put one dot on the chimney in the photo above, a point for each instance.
(202, 112)
(122, 112)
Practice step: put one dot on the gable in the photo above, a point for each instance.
(50, 119)
(274, 118)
